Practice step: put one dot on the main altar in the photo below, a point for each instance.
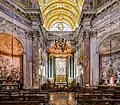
(60, 63)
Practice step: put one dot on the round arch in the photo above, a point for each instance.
(115, 46)
(64, 26)
(63, 21)
(11, 57)
(6, 42)
(55, 16)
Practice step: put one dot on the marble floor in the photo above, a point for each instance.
(62, 98)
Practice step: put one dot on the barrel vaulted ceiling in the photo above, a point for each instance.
(64, 11)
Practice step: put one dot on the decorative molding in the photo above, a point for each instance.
(104, 47)
(109, 27)
(32, 34)
(6, 26)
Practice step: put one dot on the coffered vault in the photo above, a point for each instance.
(64, 11)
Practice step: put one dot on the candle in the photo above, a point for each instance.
(111, 80)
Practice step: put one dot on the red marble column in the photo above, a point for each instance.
(101, 69)
(35, 69)
(86, 60)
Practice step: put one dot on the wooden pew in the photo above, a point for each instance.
(24, 97)
(98, 97)
(19, 103)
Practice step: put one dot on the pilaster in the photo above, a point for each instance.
(87, 16)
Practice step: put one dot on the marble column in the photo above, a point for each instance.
(68, 67)
(54, 71)
(49, 67)
(52, 68)
(24, 72)
(94, 57)
(35, 64)
(30, 74)
(86, 60)
(72, 68)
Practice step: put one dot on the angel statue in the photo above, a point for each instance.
(118, 77)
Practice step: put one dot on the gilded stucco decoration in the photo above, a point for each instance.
(65, 11)
(60, 49)
(10, 45)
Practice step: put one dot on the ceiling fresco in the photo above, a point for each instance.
(64, 11)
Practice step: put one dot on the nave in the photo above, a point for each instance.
(59, 52)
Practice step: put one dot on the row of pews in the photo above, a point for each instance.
(102, 95)
(24, 97)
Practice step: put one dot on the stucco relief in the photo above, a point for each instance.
(104, 26)
(11, 28)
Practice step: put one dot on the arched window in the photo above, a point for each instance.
(60, 26)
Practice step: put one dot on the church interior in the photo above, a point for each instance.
(59, 52)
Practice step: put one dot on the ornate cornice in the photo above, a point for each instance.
(32, 34)
(15, 12)
(6, 25)
(115, 44)
(107, 6)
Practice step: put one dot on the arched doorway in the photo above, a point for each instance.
(11, 59)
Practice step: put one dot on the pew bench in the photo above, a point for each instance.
(98, 102)
(24, 97)
(19, 103)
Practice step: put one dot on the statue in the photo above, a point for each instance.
(9, 82)
(111, 76)
(118, 78)
(110, 72)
